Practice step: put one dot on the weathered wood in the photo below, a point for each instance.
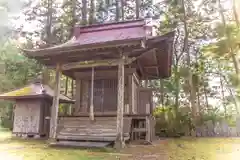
(130, 94)
(126, 109)
(144, 101)
(84, 102)
(81, 128)
(86, 138)
(148, 128)
(80, 144)
(90, 138)
(55, 106)
(136, 79)
(140, 130)
(77, 105)
(134, 96)
(119, 141)
(106, 115)
(91, 100)
(103, 74)
(27, 117)
(96, 63)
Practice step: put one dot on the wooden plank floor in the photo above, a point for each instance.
(82, 129)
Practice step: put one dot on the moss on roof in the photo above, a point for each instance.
(20, 92)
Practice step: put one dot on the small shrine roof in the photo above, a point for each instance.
(34, 90)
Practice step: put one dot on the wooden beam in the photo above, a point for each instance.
(55, 104)
(153, 66)
(141, 69)
(136, 78)
(156, 60)
(100, 74)
(91, 102)
(77, 105)
(96, 63)
(120, 105)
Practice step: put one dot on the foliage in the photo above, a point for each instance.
(205, 50)
(17, 71)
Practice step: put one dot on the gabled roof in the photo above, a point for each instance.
(134, 39)
(34, 90)
(96, 36)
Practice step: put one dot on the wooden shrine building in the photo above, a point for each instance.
(109, 63)
(32, 109)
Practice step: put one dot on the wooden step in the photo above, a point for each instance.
(98, 138)
(139, 130)
(81, 144)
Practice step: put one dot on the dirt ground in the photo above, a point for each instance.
(163, 149)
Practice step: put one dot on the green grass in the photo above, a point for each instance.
(22, 149)
(170, 149)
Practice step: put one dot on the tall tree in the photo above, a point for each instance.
(84, 12)
(92, 13)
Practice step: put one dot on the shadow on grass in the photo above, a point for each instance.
(7, 139)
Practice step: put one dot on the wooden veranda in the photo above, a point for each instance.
(109, 63)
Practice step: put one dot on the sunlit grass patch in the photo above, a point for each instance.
(167, 149)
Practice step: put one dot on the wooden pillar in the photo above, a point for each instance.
(91, 101)
(77, 105)
(146, 83)
(148, 125)
(130, 94)
(55, 104)
(120, 105)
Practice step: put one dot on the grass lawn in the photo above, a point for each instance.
(170, 149)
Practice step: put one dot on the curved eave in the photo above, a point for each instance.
(34, 53)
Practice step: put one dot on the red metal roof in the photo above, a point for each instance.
(102, 34)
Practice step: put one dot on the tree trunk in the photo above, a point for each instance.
(74, 18)
(117, 18)
(162, 92)
(66, 86)
(49, 22)
(92, 13)
(122, 9)
(177, 83)
(223, 97)
(231, 51)
(84, 12)
(138, 3)
(206, 97)
(192, 91)
(235, 13)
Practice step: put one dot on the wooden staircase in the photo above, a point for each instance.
(142, 129)
(80, 131)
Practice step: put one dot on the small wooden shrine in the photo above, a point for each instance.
(109, 63)
(32, 109)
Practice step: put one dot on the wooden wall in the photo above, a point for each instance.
(45, 117)
(105, 92)
(145, 104)
(27, 116)
(135, 85)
